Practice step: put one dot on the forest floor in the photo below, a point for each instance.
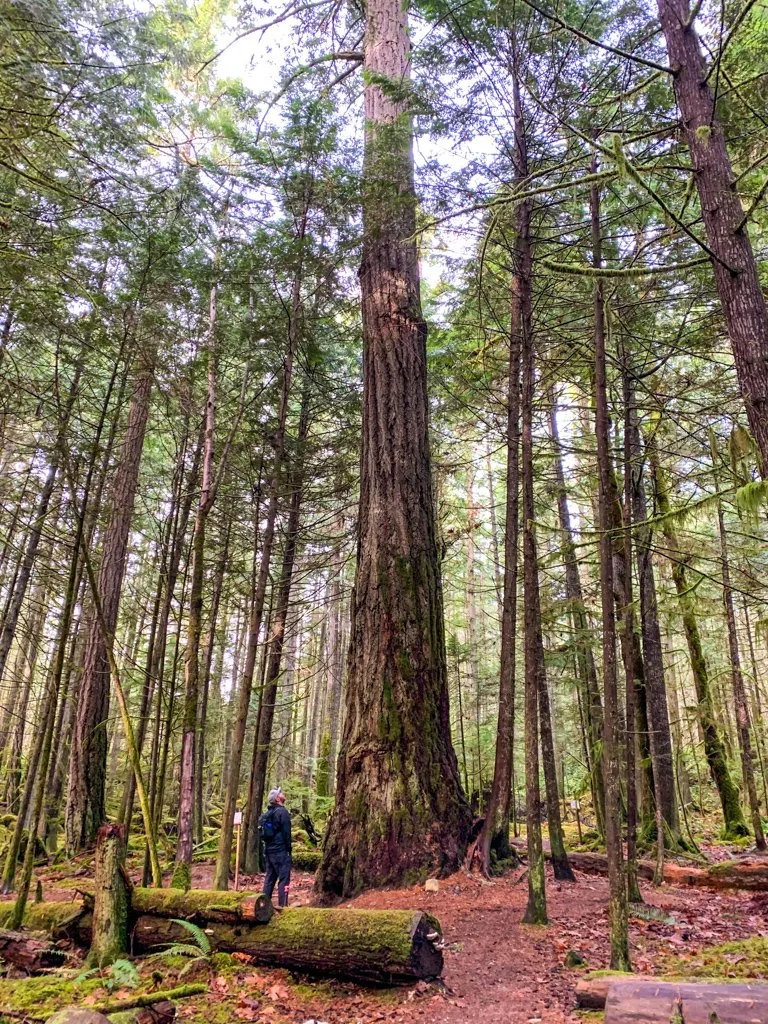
(496, 969)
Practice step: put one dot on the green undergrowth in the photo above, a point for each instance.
(747, 958)
(40, 997)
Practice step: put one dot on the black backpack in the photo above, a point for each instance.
(268, 825)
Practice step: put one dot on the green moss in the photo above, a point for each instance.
(43, 996)
(745, 959)
(186, 903)
(43, 917)
(182, 878)
(306, 860)
(367, 939)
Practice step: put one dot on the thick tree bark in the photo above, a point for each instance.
(617, 907)
(87, 763)
(396, 747)
(714, 750)
(735, 268)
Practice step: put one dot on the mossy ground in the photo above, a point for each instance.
(40, 997)
(745, 959)
(233, 986)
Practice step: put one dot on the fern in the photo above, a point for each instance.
(197, 933)
(201, 949)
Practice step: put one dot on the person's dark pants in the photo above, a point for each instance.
(278, 870)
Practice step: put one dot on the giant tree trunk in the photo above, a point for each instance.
(714, 750)
(735, 269)
(617, 907)
(88, 753)
(396, 746)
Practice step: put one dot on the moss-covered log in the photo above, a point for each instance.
(380, 946)
(69, 919)
(203, 905)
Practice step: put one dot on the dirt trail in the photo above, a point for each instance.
(496, 969)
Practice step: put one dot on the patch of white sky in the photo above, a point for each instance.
(259, 60)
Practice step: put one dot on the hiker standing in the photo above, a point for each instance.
(275, 829)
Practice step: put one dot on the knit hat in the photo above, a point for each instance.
(273, 795)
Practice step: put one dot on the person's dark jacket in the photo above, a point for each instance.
(282, 838)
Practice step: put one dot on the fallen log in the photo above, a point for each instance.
(29, 953)
(751, 875)
(592, 991)
(382, 946)
(379, 946)
(203, 905)
(70, 919)
(661, 1002)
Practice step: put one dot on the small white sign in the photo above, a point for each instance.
(238, 817)
(575, 805)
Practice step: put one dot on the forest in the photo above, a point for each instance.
(383, 417)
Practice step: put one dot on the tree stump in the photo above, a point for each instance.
(112, 898)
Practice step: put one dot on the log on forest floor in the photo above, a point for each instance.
(29, 953)
(628, 999)
(379, 946)
(751, 875)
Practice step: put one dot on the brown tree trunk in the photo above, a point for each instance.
(87, 763)
(653, 659)
(495, 833)
(583, 648)
(277, 639)
(714, 750)
(735, 268)
(218, 586)
(190, 725)
(617, 907)
(396, 747)
(743, 723)
(335, 664)
(224, 854)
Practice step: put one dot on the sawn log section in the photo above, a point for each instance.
(379, 946)
(650, 1001)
